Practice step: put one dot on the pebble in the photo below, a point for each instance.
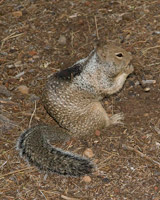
(10, 66)
(6, 123)
(23, 89)
(87, 179)
(105, 180)
(33, 98)
(62, 40)
(147, 89)
(97, 133)
(148, 82)
(3, 53)
(89, 153)
(4, 91)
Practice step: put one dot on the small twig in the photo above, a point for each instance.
(148, 82)
(30, 121)
(12, 35)
(16, 171)
(72, 38)
(43, 194)
(89, 27)
(68, 198)
(157, 129)
(3, 164)
(142, 155)
(5, 120)
(152, 64)
(95, 19)
(145, 50)
(6, 101)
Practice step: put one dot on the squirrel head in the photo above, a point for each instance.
(115, 56)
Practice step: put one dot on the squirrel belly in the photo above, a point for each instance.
(72, 97)
(34, 147)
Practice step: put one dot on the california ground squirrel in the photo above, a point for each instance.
(72, 97)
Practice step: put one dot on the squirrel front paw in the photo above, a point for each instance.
(116, 119)
(129, 69)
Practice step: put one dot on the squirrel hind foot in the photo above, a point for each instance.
(116, 118)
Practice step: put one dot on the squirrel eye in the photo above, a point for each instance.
(120, 55)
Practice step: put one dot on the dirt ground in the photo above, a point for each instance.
(37, 38)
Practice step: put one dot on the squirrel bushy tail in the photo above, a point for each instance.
(34, 146)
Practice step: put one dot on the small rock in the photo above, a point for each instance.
(137, 83)
(6, 123)
(127, 17)
(33, 98)
(146, 115)
(23, 89)
(4, 91)
(131, 93)
(105, 180)
(12, 50)
(3, 53)
(2, 60)
(45, 65)
(62, 40)
(106, 102)
(89, 153)
(156, 32)
(73, 16)
(97, 133)
(87, 179)
(147, 89)
(116, 190)
(148, 82)
(131, 83)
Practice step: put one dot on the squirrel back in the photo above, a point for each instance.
(72, 97)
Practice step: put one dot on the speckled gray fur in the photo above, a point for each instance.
(72, 97)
